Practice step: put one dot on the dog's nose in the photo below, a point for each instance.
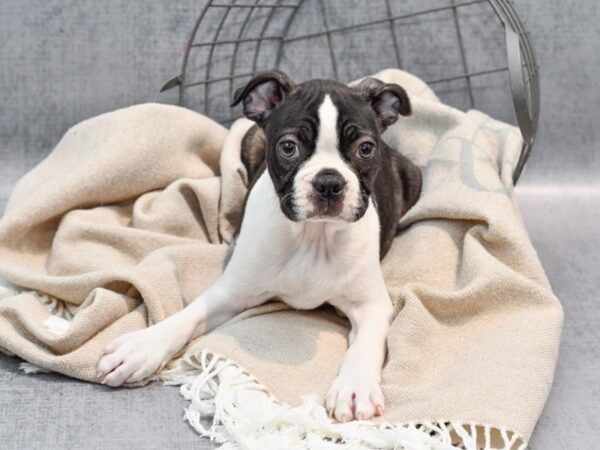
(329, 183)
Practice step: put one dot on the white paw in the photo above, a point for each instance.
(354, 396)
(137, 355)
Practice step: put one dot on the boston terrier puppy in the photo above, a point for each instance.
(325, 198)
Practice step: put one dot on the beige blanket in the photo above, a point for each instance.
(127, 220)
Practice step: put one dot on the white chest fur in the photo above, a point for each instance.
(303, 263)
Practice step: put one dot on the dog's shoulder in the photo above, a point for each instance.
(397, 188)
(253, 157)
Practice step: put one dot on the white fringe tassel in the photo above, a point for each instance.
(58, 322)
(245, 416)
(55, 306)
(30, 369)
(7, 289)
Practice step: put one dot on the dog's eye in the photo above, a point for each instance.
(366, 150)
(289, 149)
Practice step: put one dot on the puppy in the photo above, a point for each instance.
(325, 197)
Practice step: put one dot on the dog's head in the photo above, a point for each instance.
(323, 140)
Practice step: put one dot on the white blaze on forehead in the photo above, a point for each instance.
(327, 139)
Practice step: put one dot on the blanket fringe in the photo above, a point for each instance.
(6, 289)
(58, 322)
(56, 307)
(30, 369)
(245, 416)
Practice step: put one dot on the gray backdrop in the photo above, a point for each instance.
(62, 61)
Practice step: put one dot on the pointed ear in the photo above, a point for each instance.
(263, 93)
(388, 100)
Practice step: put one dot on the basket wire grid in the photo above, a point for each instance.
(257, 34)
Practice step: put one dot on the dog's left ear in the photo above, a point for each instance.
(387, 99)
(262, 93)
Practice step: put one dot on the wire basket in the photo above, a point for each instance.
(470, 52)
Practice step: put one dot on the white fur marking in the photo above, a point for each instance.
(327, 140)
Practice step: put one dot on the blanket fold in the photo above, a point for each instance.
(128, 220)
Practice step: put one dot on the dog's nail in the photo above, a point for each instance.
(359, 417)
(378, 410)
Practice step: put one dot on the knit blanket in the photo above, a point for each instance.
(128, 220)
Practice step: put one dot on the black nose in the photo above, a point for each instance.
(329, 183)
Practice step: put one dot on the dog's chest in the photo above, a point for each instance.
(316, 266)
(305, 264)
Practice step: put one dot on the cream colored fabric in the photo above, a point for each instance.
(125, 222)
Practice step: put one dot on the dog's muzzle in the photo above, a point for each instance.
(328, 192)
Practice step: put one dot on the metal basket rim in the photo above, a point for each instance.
(521, 65)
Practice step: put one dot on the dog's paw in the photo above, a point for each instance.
(135, 356)
(355, 396)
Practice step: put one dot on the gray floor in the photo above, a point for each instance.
(49, 411)
(53, 412)
(563, 226)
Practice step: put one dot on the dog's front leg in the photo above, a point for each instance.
(355, 392)
(137, 355)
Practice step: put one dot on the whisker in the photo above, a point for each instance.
(284, 198)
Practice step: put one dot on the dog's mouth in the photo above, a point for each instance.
(326, 210)
(321, 211)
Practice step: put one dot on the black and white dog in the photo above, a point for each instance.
(322, 209)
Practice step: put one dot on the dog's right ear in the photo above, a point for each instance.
(263, 93)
